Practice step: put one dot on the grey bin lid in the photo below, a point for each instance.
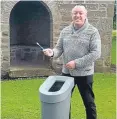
(48, 96)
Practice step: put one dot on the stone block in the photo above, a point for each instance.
(5, 33)
(56, 26)
(78, 2)
(102, 5)
(102, 69)
(5, 58)
(93, 21)
(64, 24)
(67, 1)
(57, 33)
(31, 72)
(105, 25)
(91, 6)
(106, 38)
(4, 27)
(99, 1)
(57, 65)
(65, 7)
(107, 61)
(96, 14)
(110, 12)
(99, 62)
(4, 74)
(4, 40)
(5, 65)
(26, 49)
(66, 18)
(105, 51)
(4, 46)
(91, 1)
(5, 52)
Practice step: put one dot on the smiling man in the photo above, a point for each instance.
(80, 45)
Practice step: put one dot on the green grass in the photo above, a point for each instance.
(113, 52)
(20, 99)
(105, 98)
(114, 33)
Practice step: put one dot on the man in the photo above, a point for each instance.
(80, 45)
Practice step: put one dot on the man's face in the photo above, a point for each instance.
(78, 16)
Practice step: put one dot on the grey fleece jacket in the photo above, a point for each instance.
(83, 46)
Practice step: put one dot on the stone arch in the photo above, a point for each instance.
(30, 22)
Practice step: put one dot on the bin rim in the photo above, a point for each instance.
(58, 96)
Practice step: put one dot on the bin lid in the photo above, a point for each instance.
(56, 89)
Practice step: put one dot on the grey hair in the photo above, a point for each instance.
(80, 6)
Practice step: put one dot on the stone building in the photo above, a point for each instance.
(23, 23)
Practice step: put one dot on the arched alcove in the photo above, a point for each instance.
(30, 22)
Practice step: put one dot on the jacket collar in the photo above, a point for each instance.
(80, 29)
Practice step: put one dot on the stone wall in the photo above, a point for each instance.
(27, 53)
(100, 14)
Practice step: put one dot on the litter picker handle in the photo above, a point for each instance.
(40, 46)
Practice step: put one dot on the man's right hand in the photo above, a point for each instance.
(48, 52)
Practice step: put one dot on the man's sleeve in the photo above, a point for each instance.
(58, 50)
(94, 53)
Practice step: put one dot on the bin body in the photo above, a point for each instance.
(56, 104)
(58, 110)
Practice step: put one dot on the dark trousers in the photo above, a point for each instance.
(84, 84)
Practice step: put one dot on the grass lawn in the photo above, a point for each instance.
(20, 98)
(114, 32)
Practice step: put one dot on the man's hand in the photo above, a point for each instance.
(70, 65)
(48, 52)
